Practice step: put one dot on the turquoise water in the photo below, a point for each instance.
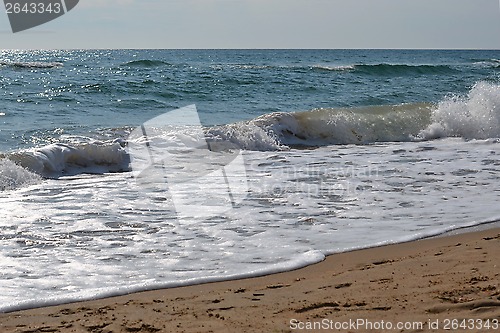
(322, 151)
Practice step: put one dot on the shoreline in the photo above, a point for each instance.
(449, 277)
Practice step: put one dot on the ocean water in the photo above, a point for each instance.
(106, 186)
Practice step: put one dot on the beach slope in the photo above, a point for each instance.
(423, 285)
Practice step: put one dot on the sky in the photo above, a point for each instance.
(327, 24)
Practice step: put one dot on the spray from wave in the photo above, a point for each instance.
(474, 116)
(13, 176)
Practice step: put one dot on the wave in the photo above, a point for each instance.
(389, 69)
(474, 116)
(321, 127)
(59, 159)
(403, 69)
(487, 63)
(339, 68)
(146, 63)
(481, 60)
(31, 64)
(384, 69)
(380, 69)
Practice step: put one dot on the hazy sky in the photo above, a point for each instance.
(266, 24)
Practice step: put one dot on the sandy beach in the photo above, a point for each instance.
(441, 284)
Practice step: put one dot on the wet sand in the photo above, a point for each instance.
(422, 286)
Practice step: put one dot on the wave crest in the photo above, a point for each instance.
(61, 159)
(474, 116)
(146, 63)
(320, 127)
(31, 64)
(401, 69)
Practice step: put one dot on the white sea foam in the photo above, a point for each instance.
(335, 68)
(13, 176)
(475, 116)
(82, 236)
(495, 63)
(245, 135)
(58, 158)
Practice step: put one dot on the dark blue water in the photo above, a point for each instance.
(48, 93)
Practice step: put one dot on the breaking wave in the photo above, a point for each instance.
(473, 116)
(321, 127)
(26, 167)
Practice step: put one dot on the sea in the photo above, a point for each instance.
(133, 170)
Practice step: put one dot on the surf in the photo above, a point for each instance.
(473, 116)
(24, 167)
